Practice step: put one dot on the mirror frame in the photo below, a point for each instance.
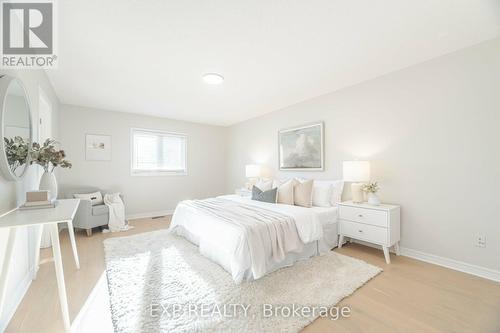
(5, 82)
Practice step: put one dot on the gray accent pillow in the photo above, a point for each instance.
(264, 196)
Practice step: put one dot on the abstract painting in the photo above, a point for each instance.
(301, 148)
(98, 147)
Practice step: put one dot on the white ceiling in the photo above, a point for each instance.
(148, 56)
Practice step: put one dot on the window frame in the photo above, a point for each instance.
(142, 173)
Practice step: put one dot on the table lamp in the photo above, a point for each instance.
(356, 172)
(253, 172)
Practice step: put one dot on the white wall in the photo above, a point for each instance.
(12, 194)
(143, 194)
(431, 133)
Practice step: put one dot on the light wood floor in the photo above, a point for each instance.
(409, 296)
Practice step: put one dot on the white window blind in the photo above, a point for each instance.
(158, 153)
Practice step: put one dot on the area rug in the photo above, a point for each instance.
(158, 282)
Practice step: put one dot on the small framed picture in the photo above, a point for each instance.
(97, 147)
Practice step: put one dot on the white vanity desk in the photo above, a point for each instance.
(64, 212)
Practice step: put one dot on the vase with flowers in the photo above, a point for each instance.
(371, 190)
(49, 158)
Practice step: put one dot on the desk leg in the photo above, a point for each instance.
(38, 242)
(56, 249)
(5, 267)
(71, 231)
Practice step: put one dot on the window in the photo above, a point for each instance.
(158, 153)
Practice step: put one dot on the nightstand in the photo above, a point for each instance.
(378, 225)
(243, 192)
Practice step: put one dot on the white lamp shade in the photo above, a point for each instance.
(253, 171)
(356, 171)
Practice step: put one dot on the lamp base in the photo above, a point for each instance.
(357, 192)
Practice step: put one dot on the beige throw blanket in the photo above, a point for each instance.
(260, 227)
(116, 209)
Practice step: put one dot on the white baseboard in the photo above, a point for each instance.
(15, 300)
(149, 214)
(457, 265)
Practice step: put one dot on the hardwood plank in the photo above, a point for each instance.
(409, 296)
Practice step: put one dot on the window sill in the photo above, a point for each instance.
(157, 174)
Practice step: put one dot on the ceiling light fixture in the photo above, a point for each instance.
(213, 78)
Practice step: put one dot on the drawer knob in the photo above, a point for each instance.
(360, 215)
(360, 230)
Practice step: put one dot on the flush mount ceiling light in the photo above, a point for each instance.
(213, 78)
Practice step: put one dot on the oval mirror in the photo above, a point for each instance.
(15, 128)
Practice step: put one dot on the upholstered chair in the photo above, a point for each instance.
(88, 216)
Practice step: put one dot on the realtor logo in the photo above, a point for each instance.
(28, 34)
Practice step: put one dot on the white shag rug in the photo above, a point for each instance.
(159, 282)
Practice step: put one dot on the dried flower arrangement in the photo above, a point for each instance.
(48, 157)
(371, 187)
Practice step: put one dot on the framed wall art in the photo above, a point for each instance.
(302, 148)
(97, 147)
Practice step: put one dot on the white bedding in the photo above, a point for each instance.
(228, 245)
(325, 215)
(329, 218)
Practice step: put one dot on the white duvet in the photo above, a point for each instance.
(241, 252)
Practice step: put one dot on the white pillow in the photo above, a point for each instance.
(338, 188)
(322, 195)
(95, 197)
(264, 185)
(334, 194)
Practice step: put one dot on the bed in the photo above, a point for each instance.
(239, 233)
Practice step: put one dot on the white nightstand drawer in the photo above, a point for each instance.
(368, 216)
(362, 231)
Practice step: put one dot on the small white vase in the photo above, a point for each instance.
(373, 199)
(48, 182)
